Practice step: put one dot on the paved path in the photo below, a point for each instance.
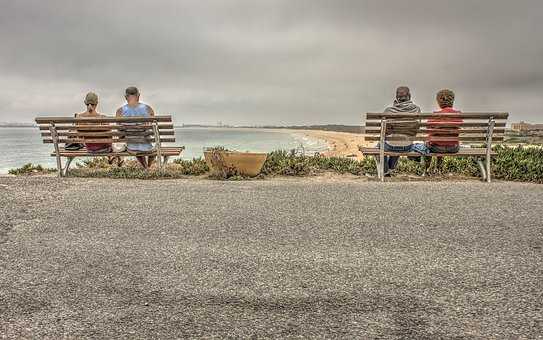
(280, 258)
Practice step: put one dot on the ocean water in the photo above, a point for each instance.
(24, 145)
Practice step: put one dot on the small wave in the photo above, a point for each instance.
(311, 144)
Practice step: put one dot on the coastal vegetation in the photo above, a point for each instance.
(219, 167)
(520, 163)
(100, 167)
(31, 169)
(327, 127)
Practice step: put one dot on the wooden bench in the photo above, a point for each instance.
(476, 129)
(60, 131)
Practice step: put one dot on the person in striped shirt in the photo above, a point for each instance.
(443, 130)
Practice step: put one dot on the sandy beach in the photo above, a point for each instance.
(341, 144)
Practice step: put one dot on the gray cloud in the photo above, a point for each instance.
(270, 62)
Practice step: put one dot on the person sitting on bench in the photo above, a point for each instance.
(91, 101)
(445, 141)
(402, 139)
(446, 121)
(133, 108)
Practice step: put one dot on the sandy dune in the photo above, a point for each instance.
(341, 144)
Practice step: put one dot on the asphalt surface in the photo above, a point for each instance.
(95, 258)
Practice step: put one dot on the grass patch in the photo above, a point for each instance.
(31, 169)
(521, 163)
(289, 163)
(518, 164)
(99, 167)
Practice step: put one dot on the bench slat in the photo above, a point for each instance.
(108, 140)
(425, 130)
(436, 138)
(106, 134)
(460, 153)
(60, 120)
(105, 127)
(465, 124)
(463, 115)
(166, 151)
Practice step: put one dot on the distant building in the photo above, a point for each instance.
(526, 127)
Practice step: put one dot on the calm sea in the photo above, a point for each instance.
(24, 145)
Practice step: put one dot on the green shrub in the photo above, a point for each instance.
(464, 166)
(194, 167)
(30, 169)
(94, 163)
(289, 163)
(521, 163)
(99, 167)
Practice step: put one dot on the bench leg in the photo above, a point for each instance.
(166, 159)
(59, 166)
(67, 166)
(488, 169)
(378, 166)
(380, 163)
(482, 168)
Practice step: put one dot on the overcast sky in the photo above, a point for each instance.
(270, 62)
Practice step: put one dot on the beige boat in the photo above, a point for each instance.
(245, 163)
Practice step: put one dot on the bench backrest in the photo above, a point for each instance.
(474, 128)
(106, 129)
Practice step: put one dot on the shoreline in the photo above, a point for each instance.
(340, 144)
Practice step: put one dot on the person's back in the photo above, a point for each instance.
(133, 108)
(401, 132)
(91, 100)
(140, 110)
(443, 130)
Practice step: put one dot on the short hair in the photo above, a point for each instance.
(404, 88)
(131, 91)
(91, 98)
(445, 98)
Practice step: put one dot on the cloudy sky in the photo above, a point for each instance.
(270, 62)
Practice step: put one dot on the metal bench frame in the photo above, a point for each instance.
(485, 168)
(161, 153)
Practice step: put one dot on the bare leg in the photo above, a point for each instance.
(151, 160)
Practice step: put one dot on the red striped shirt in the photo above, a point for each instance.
(447, 121)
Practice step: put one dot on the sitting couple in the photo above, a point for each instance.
(132, 108)
(401, 138)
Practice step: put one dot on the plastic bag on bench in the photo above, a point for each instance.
(73, 146)
(420, 148)
(119, 147)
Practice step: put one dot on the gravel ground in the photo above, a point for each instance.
(88, 258)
